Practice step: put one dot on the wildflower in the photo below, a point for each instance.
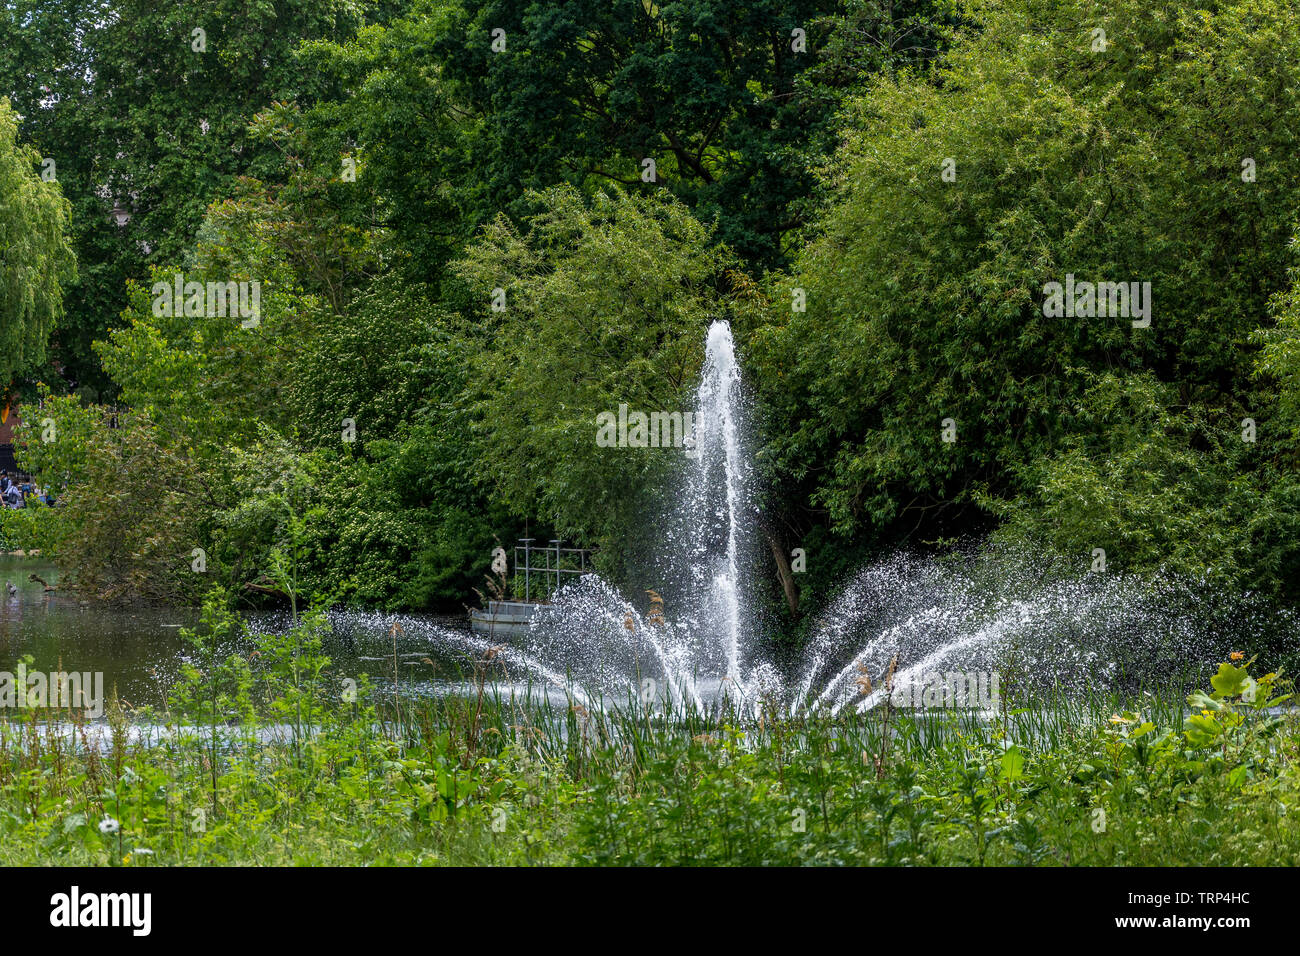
(1236, 655)
(109, 825)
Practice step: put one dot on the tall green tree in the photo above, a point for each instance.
(35, 257)
(1058, 139)
(588, 92)
(415, 143)
(147, 122)
(599, 303)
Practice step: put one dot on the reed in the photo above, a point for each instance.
(249, 767)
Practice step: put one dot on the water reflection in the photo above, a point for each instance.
(140, 650)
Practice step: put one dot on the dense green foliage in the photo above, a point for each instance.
(140, 115)
(925, 293)
(462, 264)
(589, 91)
(36, 258)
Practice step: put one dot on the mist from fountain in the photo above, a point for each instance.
(987, 612)
(703, 649)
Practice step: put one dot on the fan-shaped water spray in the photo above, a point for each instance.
(899, 622)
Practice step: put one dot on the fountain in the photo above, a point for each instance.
(922, 621)
(700, 650)
(719, 467)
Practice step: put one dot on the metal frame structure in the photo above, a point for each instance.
(554, 554)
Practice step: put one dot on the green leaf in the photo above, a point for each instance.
(1231, 681)
(1013, 765)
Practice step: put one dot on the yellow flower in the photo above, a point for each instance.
(1236, 655)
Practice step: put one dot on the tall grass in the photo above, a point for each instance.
(258, 759)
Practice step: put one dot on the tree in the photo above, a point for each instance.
(587, 92)
(147, 122)
(601, 303)
(414, 146)
(1041, 149)
(36, 257)
(132, 507)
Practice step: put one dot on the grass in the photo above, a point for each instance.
(261, 761)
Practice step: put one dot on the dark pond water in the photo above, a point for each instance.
(139, 651)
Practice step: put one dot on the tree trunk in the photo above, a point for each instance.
(785, 574)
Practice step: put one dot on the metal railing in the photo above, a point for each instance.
(554, 566)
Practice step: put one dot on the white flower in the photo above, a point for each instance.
(109, 825)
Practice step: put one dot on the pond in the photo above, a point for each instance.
(140, 650)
